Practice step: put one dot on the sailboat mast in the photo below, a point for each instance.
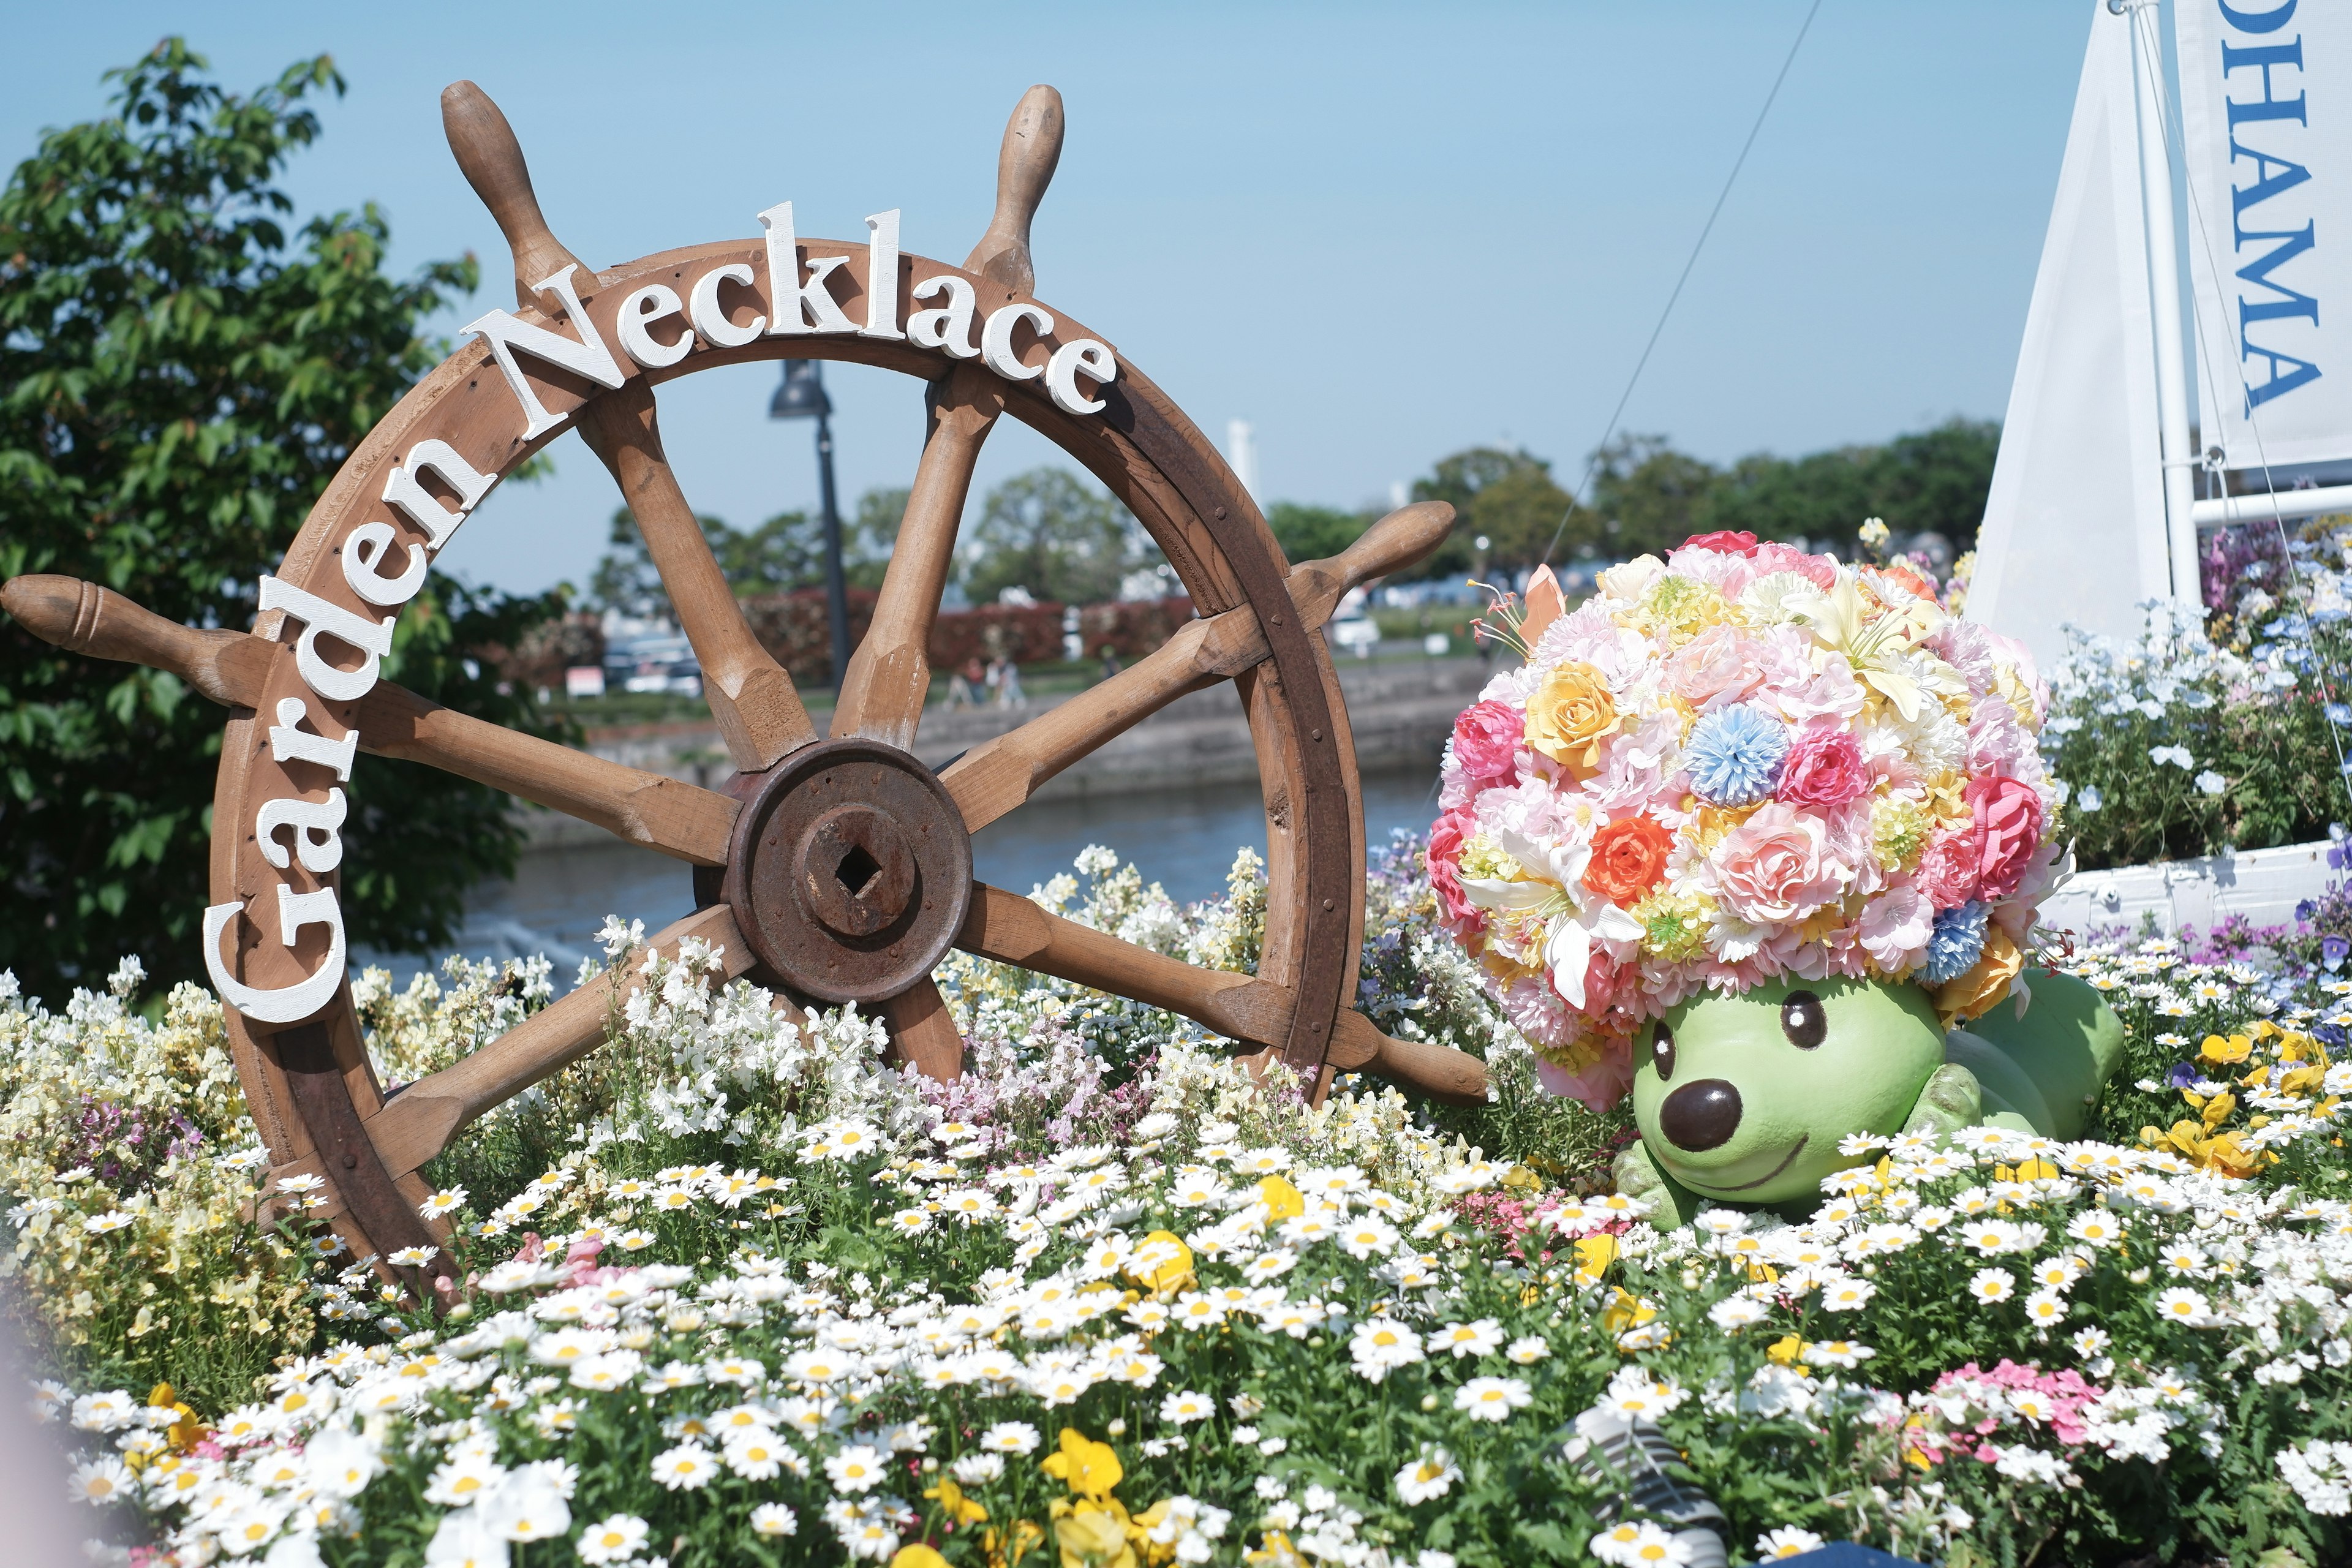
(2164, 298)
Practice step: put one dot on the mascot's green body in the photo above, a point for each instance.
(1745, 1099)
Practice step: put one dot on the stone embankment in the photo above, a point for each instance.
(1401, 712)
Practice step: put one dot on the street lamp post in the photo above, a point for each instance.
(801, 396)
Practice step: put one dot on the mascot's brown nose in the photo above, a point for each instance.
(1701, 1115)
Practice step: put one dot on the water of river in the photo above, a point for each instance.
(1185, 842)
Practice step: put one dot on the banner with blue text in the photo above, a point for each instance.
(2266, 114)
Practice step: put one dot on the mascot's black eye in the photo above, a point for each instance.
(1662, 1051)
(1802, 1020)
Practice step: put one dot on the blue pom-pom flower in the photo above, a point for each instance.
(1734, 755)
(1956, 944)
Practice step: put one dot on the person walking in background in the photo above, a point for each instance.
(1109, 662)
(963, 685)
(1008, 688)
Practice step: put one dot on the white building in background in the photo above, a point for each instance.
(2094, 505)
(1241, 452)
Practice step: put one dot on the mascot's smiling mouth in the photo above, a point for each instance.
(1785, 1161)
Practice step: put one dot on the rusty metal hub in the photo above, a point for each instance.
(850, 871)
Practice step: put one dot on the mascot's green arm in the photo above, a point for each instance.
(1951, 1099)
(1672, 1204)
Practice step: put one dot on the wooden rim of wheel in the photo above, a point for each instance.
(857, 806)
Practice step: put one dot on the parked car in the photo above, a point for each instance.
(654, 664)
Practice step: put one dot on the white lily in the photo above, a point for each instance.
(1879, 643)
(1575, 916)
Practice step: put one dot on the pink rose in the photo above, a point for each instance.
(1446, 871)
(1825, 767)
(1722, 664)
(1774, 867)
(2007, 824)
(1947, 871)
(1486, 740)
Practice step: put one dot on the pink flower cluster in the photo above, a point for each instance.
(1739, 763)
(2008, 1392)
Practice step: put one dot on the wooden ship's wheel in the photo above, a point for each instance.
(834, 870)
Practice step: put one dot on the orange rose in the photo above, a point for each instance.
(1629, 857)
(1569, 714)
(1973, 994)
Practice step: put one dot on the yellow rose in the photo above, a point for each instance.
(1973, 994)
(1569, 714)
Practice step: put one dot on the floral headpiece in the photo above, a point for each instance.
(1741, 763)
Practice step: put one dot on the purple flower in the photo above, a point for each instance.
(2182, 1074)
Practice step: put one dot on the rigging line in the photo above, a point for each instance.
(1576, 497)
(2150, 50)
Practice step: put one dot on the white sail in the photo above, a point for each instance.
(2267, 116)
(2074, 528)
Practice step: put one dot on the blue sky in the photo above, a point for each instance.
(1379, 233)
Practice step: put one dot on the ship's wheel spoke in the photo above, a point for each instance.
(922, 1031)
(751, 695)
(889, 676)
(418, 1123)
(998, 775)
(1009, 929)
(664, 814)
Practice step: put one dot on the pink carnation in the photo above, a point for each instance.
(1948, 869)
(1775, 868)
(1997, 743)
(1774, 556)
(1824, 767)
(1536, 1010)
(1895, 926)
(1486, 740)
(1444, 858)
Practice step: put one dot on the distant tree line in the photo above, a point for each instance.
(1063, 539)
(1648, 497)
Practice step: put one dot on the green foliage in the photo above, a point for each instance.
(1314, 532)
(1056, 535)
(1932, 482)
(872, 533)
(180, 377)
(785, 552)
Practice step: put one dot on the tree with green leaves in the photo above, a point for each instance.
(180, 377)
(1647, 497)
(1054, 534)
(1509, 499)
(785, 552)
(1650, 497)
(872, 533)
(1314, 532)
